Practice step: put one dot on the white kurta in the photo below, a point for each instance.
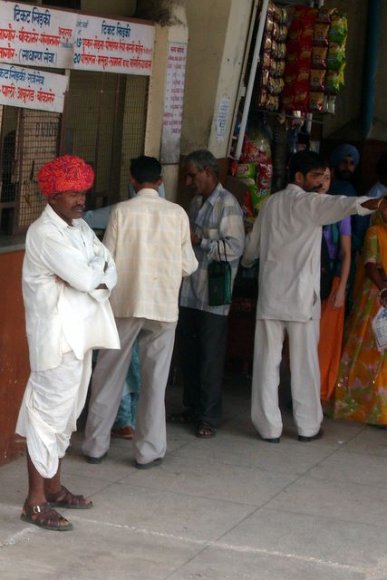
(286, 238)
(66, 317)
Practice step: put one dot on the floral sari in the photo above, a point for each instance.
(361, 388)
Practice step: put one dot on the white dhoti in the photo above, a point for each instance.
(52, 403)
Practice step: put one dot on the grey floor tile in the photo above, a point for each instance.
(370, 440)
(345, 501)
(312, 537)
(94, 550)
(228, 564)
(358, 468)
(289, 456)
(195, 518)
(214, 480)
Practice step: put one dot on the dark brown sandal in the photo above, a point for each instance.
(205, 431)
(65, 499)
(45, 517)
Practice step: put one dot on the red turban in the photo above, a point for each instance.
(66, 173)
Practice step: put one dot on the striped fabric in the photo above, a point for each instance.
(219, 218)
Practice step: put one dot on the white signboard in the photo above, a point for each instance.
(39, 36)
(108, 45)
(173, 103)
(32, 89)
(36, 36)
(222, 119)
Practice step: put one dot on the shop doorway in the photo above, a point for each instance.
(104, 122)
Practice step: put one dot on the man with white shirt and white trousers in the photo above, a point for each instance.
(149, 238)
(286, 238)
(67, 278)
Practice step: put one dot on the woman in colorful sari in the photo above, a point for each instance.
(361, 389)
(337, 238)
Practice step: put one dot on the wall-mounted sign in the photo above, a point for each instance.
(173, 103)
(32, 89)
(43, 37)
(222, 119)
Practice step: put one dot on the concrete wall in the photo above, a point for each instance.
(207, 25)
(111, 7)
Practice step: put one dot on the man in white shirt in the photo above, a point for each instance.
(286, 238)
(149, 238)
(67, 278)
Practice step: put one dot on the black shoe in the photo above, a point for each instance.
(305, 439)
(95, 460)
(149, 465)
(272, 439)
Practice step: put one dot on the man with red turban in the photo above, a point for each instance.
(67, 278)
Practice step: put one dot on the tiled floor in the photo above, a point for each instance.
(232, 507)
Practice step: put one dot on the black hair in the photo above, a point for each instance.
(145, 169)
(202, 159)
(305, 161)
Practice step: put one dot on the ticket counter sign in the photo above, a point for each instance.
(32, 89)
(112, 46)
(43, 37)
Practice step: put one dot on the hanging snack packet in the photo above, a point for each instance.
(336, 56)
(317, 79)
(339, 29)
(316, 101)
(334, 81)
(319, 56)
(320, 37)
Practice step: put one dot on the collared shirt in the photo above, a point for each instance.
(69, 314)
(149, 238)
(219, 219)
(286, 237)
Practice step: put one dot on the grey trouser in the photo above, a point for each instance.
(156, 341)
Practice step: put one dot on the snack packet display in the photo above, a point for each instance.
(255, 168)
(299, 59)
(336, 60)
(269, 84)
(315, 59)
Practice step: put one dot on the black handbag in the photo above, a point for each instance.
(219, 280)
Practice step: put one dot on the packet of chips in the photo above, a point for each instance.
(316, 101)
(317, 79)
(336, 56)
(319, 56)
(339, 29)
(334, 80)
(321, 31)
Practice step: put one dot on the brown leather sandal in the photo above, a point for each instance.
(45, 517)
(65, 499)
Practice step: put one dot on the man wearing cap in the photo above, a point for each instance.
(67, 278)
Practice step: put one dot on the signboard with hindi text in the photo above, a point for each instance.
(32, 89)
(173, 103)
(44, 37)
(108, 45)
